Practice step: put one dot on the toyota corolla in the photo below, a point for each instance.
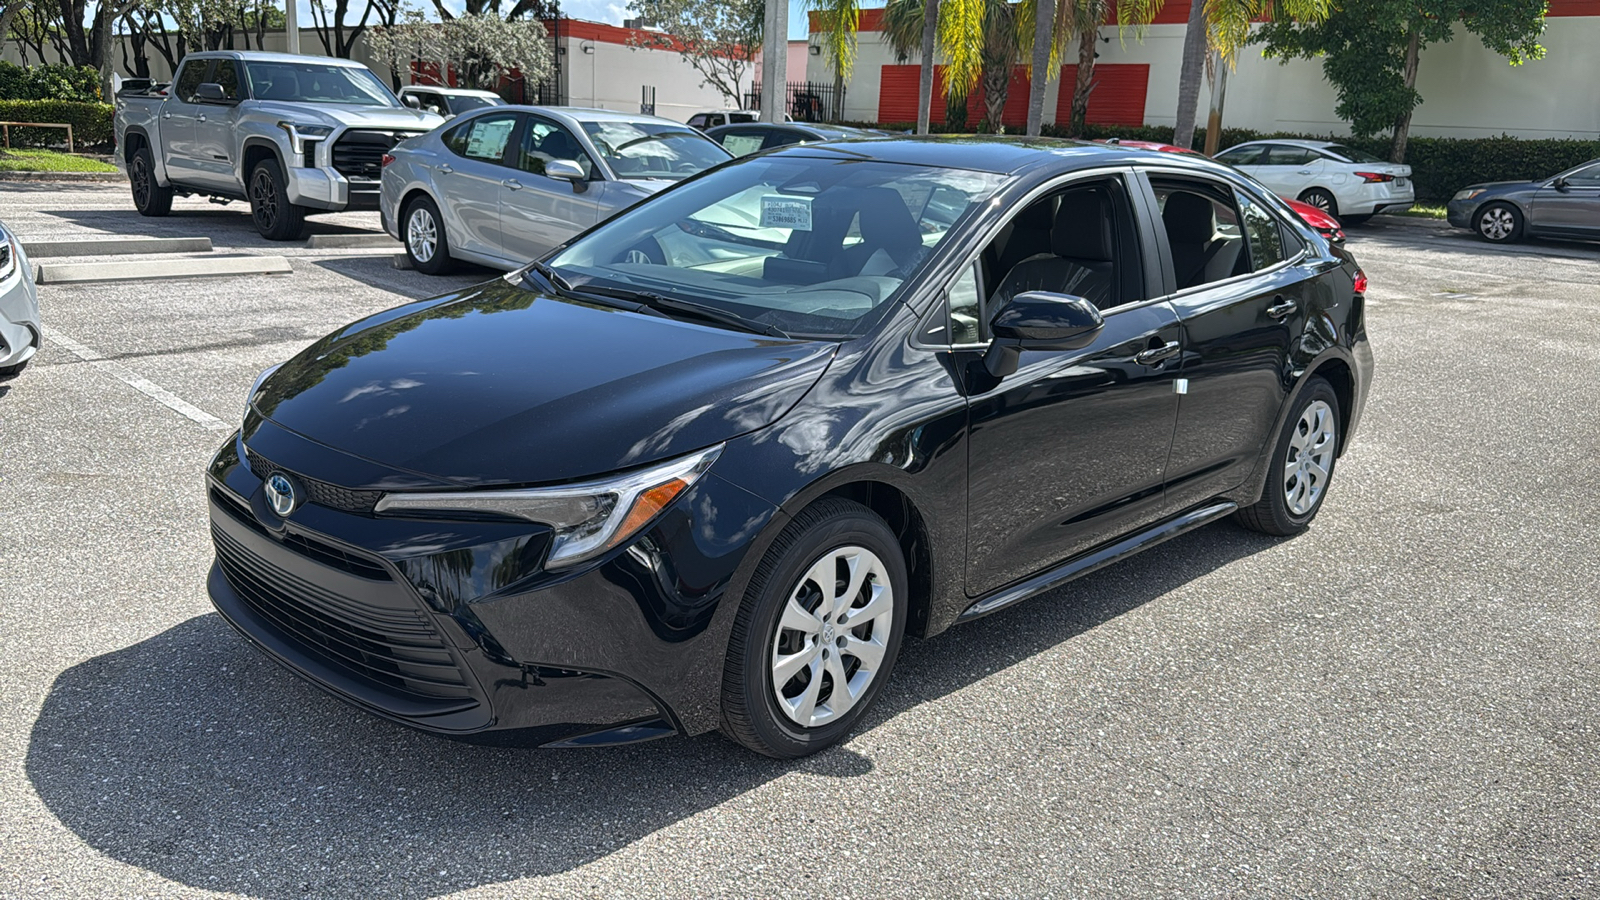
(707, 464)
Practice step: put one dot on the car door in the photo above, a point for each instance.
(1070, 450)
(178, 119)
(1242, 311)
(214, 125)
(538, 212)
(1288, 170)
(1572, 209)
(469, 181)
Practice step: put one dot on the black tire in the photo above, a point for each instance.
(9, 372)
(276, 218)
(1273, 513)
(1322, 199)
(150, 198)
(1498, 223)
(750, 710)
(1348, 221)
(417, 214)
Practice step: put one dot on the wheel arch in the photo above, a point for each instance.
(1333, 365)
(132, 139)
(255, 150)
(1337, 372)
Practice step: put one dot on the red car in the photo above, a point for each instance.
(1326, 225)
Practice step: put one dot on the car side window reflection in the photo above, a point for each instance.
(191, 79)
(545, 142)
(1263, 235)
(226, 75)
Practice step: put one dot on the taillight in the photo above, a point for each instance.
(1361, 282)
(387, 158)
(1375, 177)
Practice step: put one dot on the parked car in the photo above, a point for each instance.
(1344, 182)
(503, 185)
(19, 307)
(447, 101)
(1324, 223)
(612, 496)
(711, 118)
(292, 134)
(1562, 206)
(750, 137)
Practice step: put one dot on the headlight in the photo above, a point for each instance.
(1467, 193)
(255, 386)
(300, 134)
(588, 518)
(9, 254)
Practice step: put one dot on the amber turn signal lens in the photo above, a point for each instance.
(645, 508)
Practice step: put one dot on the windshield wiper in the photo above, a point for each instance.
(659, 302)
(550, 275)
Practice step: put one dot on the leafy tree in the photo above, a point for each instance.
(719, 38)
(1371, 49)
(480, 48)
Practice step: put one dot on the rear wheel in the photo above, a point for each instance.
(1498, 223)
(817, 633)
(422, 231)
(1321, 199)
(276, 218)
(1302, 465)
(150, 198)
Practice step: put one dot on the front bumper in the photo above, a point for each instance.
(19, 316)
(453, 627)
(326, 188)
(1459, 212)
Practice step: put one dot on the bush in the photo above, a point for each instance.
(91, 122)
(80, 84)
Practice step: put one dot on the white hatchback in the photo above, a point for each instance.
(1349, 184)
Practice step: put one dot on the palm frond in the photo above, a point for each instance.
(961, 26)
(840, 20)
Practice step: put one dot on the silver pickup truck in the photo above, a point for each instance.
(290, 134)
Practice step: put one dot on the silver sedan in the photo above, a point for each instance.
(503, 186)
(19, 307)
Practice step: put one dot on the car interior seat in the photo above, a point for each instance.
(1080, 259)
(891, 242)
(1199, 254)
(283, 86)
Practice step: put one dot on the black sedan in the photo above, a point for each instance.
(1561, 206)
(708, 464)
(745, 138)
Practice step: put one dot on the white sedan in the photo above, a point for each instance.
(1347, 183)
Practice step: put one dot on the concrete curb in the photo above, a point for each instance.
(401, 261)
(160, 269)
(350, 242)
(116, 246)
(102, 177)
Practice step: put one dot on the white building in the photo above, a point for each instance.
(1467, 90)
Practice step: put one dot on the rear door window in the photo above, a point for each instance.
(1262, 234)
(1203, 228)
(193, 75)
(1242, 156)
(484, 138)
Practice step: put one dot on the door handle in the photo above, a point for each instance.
(444, 169)
(200, 118)
(513, 184)
(1155, 356)
(1303, 172)
(1279, 310)
(166, 115)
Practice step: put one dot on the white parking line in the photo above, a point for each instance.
(136, 381)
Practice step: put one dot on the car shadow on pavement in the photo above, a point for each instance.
(194, 757)
(379, 271)
(227, 226)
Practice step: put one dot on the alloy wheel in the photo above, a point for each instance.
(1320, 200)
(141, 182)
(422, 235)
(264, 199)
(832, 636)
(1497, 223)
(1310, 458)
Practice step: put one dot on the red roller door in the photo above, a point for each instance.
(897, 97)
(1117, 97)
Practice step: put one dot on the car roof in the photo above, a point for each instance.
(262, 56)
(1290, 142)
(998, 154)
(579, 114)
(453, 91)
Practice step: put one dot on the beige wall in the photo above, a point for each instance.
(609, 76)
(1467, 90)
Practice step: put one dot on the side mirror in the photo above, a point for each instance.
(210, 93)
(1038, 320)
(1560, 184)
(412, 100)
(566, 170)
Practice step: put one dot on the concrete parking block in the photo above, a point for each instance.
(350, 241)
(116, 245)
(158, 269)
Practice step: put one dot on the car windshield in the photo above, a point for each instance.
(1351, 153)
(654, 149)
(466, 102)
(311, 83)
(804, 245)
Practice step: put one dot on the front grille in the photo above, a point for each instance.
(359, 154)
(393, 646)
(324, 553)
(319, 492)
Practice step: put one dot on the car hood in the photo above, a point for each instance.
(351, 115)
(504, 385)
(1502, 186)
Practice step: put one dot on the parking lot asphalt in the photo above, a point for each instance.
(1400, 702)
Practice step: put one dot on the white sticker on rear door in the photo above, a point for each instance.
(786, 212)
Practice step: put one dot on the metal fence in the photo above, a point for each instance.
(806, 101)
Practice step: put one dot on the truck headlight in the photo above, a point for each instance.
(589, 518)
(300, 135)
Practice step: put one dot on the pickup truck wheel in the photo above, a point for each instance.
(427, 244)
(276, 218)
(150, 198)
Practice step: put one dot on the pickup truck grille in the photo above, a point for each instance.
(358, 154)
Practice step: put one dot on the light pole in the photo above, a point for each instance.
(775, 61)
(291, 24)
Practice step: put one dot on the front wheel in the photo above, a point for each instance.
(1321, 199)
(422, 231)
(1302, 465)
(818, 632)
(276, 218)
(1498, 223)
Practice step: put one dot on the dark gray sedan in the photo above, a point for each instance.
(502, 186)
(1564, 206)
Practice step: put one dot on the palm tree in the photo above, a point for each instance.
(840, 21)
(910, 27)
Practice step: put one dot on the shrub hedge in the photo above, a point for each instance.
(1439, 166)
(56, 82)
(91, 122)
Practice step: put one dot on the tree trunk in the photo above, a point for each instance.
(8, 13)
(930, 23)
(996, 81)
(1402, 125)
(1085, 82)
(1189, 74)
(1043, 39)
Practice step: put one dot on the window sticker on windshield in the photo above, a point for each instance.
(786, 212)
